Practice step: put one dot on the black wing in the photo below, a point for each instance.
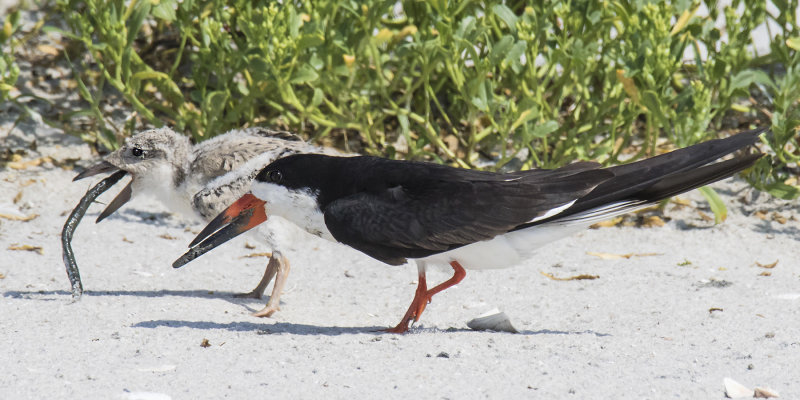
(442, 209)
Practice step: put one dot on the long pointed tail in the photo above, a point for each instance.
(645, 182)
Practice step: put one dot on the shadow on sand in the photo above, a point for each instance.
(303, 329)
(23, 294)
(266, 328)
(263, 328)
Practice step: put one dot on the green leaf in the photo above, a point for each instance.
(52, 29)
(150, 75)
(501, 49)
(99, 46)
(161, 77)
(793, 43)
(310, 40)
(294, 22)
(439, 5)
(651, 100)
(165, 9)
(6, 32)
(304, 74)
(318, 96)
(136, 20)
(524, 117)
(404, 123)
(466, 27)
(316, 62)
(214, 104)
(481, 101)
(749, 76)
(782, 190)
(545, 129)
(716, 203)
(259, 68)
(514, 56)
(242, 86)
(507, 16)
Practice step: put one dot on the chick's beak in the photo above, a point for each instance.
(122, 197)
(99, 168)
(243, 215)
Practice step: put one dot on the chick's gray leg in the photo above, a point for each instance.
(281, 272)
(269, 273)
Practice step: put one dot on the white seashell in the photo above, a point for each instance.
(159, 368)
(736, 390)
(764, 393)
(146, 396)
(492, 320)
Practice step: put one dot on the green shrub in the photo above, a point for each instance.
(545, 82)
(9, 71)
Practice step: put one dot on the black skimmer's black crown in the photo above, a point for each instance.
(398, 210)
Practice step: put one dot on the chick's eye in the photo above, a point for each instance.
(275, 176)
(137, 152)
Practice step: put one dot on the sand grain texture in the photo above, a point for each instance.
(672, 324)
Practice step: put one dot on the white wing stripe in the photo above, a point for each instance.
(604, 212)
(554, 211)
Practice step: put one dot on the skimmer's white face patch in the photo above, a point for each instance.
(297, 206)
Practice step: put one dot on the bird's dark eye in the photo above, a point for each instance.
(137, 152)
(275, 176)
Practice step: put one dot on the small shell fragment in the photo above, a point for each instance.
(764, 393)
(146, 396)
(492, 320)
(736, 390)
(159, 368)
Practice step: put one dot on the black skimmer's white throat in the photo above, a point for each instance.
(202, 180)
(399, 210)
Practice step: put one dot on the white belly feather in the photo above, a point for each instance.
(514, 247)
(506, 250)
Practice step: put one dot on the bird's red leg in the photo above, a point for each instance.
(417, 305)
(458, 275)
(423, 296)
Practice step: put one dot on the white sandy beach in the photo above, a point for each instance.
(644, 329)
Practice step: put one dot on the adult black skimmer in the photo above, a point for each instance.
(399, 210)
(202, 180)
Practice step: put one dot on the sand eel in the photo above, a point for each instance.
(201, 180)
(394, 211)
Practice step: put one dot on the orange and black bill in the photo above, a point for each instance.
(123, 197)
(243, 215)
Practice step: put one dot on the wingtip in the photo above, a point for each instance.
(755, 133)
